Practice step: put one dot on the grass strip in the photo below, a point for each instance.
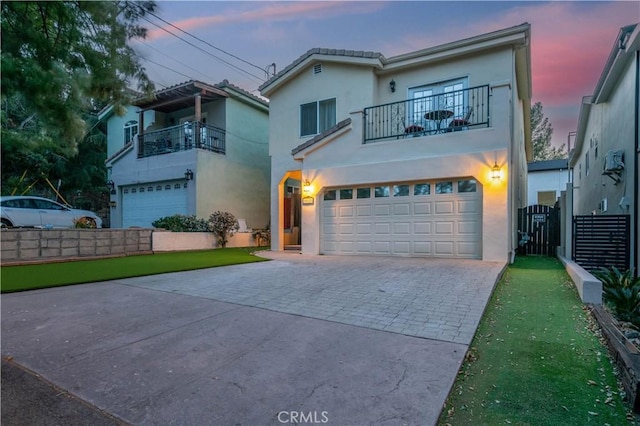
(535, 359)
(45, 275)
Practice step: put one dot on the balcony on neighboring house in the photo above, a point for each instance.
(182, 137)
(452, 111)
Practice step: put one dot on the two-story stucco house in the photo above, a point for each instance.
(605, 159)
(421, 154)
(193, 148)
(546, 180)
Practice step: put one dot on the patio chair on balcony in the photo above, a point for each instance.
(458, 124)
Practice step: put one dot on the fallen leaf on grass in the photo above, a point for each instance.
(592, 383)
(592, 413)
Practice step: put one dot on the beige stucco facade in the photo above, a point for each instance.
(498, 60)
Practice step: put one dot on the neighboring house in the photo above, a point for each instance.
(193, 148)
(605, 159)
(545, 181)
(394, 156)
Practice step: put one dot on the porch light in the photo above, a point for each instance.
(496, 172)
(307, 188)
(112, 186)
(188, 175)
(392, 85)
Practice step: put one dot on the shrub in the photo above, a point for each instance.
(84, 223)
(262, 236)
(621, 293)
(223, 225)
(182, 223)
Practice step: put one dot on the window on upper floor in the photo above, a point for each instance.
(448, 96)
(586, 164)
(130, 130)
(316, 117)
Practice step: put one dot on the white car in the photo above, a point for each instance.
(38, 212)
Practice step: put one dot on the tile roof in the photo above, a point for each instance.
(321, 136)
(324, 51)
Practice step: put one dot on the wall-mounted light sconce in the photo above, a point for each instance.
(392, 85)
(112, 187)
(496, 172)
(307, 188)
(188, 175)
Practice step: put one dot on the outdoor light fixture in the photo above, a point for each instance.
(392, 85)
(188, 175)
(496, 172)
(112, 186)
(306, 187)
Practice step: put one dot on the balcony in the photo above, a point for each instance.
(454, 111)
(182, 137)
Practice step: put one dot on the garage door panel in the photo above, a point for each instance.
(422, 228)
(422, 247)
(401, 209)
(345, 229)
(422, 224)
(444, 248)
(468, 227)
(329, 211)
(363, 247)
(330, 229)
(363, 211)
(444, 228)
(401, 228)
(382, 209)
(420, 208)
(444, 207)
(345, 211)
(364, 228)
(401, 247)
(468, 206)
(382, 247)
(468, 248)
(383, 228)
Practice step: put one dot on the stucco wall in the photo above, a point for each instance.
(115, 128)
(547, 180)
(611, 127)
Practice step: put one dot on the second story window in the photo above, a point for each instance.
(316, 117)
(130, 130)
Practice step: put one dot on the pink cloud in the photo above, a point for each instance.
(272, 12)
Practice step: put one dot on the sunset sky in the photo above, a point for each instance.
(570, 40)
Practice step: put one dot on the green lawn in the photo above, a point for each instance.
(535, 359)
(29, 277)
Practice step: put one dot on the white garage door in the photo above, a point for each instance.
(430, 218)
(144, 203)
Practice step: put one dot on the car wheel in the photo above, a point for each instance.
(6, 224)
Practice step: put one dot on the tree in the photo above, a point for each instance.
(541, 132)
(61, 62)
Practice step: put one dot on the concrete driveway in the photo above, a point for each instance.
(300, 339)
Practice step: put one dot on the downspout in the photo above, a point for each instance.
(636, 210)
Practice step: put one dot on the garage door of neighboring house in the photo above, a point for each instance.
(429, 218)
(144, 203)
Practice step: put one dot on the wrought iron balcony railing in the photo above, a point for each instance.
(443, 113)
(182, 137)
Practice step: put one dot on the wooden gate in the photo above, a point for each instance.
(538, 230)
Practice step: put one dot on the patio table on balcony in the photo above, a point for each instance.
(438, 116)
